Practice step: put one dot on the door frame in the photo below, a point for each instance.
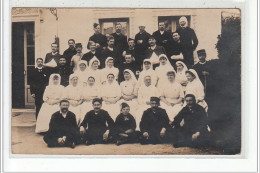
(35, 18)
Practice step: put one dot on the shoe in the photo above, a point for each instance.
(118, 143)
(72, 145)
(88, 143)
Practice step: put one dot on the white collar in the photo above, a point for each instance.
(153, 47)
(202, 62)
(54, 53)
(161, 32)
(39, 68)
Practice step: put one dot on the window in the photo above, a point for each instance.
(108, 26)
(172, 22)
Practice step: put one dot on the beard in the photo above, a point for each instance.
(64, 110)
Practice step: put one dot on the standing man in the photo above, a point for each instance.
(97, 126)
(93, 52)
(141, 44)
(120, 39)
(64, 70)
(38, 81)
(63, 130)
(76, 58)
(111, 51)
(194, 132)
(154, 124)
(52, 59)
(98, 38)
(189, 40)
(70, 52)
(163, 37)
(175, 53)
(153, 52)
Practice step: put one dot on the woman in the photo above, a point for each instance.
(73, 93)
(81, 71)
(111, 94)
(180, 75)
(89, 92)
(125, 126)
(147, 70)
(171, 96)
(162, 70)
(109, 63)
(93, 70)
(52, 96)
(128, 90)
(196, 88)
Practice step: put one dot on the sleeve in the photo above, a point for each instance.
(118, 93)
(177, 120)
(53, 128)
(200, 92)
(110, 122)
(203, 120)
(166, 120)
(195, 40)
(132, 122)
(32, 82)
(143, 124)
(118, 127)
(163, 50)
(46, 57)
(46, 94)
(85, 121)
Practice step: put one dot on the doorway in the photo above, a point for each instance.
(23, 61)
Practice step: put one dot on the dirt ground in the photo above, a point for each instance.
(25, 141)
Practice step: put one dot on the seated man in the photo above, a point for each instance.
(93, 52)
(125, 126)
(194, 132)
(154, 125)
(128, 64)
(97, 126)
(153, 52)
(63, 129)
(64, 70)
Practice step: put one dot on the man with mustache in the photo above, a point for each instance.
(70, 52)
(189, 41)
(53, 55)
(63, 130)
(120, 39)
(97, 126)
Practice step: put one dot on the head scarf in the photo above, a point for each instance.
(197, 79)
(51, 79)
(183, 18)
(184, 67)
(93, 60)
(147, 60)
(108, 58)
(133, 78)
(73, 76)
(167, 60)
(82, 62)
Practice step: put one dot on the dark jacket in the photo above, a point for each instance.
(38, 80)
(68, 54)
(124, 122)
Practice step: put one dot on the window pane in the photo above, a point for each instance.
(30, 55)
(107, 28)
(29, 72)
(124, 28)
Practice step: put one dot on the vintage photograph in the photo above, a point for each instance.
(126, 81)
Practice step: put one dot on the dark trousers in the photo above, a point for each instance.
(188, 58)
(53, 141)
(95, 137)
(183, 138)
(38, 100)
(154, 138)
(132, 137)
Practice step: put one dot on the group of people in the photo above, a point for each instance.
(146, 86)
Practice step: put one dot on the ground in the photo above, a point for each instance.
(26, 141)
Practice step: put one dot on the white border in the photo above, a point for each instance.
(93, 164)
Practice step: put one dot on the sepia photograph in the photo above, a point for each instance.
(125, 81)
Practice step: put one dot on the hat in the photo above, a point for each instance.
(201, 52)
(78, 45)
(95, 25)
(124, 105)
(156, 99)
(96, 100)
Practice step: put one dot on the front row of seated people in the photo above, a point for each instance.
(188, 128)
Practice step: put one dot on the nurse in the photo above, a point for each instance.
(51, 97)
